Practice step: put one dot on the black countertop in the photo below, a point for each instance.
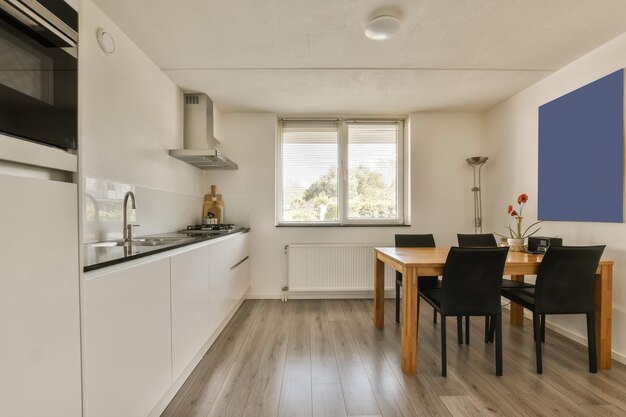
(97, 257)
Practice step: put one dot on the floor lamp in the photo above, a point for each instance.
(477, 162)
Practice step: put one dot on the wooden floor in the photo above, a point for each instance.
(324, 358)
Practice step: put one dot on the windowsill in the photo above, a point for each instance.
(342, 225)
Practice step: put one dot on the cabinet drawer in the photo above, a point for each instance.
(239, 248)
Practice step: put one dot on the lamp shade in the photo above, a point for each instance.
(476, 160)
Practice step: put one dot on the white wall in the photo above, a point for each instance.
(512, 134)
(130, 115)
(441, 199)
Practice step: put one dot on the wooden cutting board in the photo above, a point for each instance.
(213, 205)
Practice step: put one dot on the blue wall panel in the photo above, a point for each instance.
(581, 153)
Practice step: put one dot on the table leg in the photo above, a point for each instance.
(379, 293)
(603, 300)
(409, 321)
(517, 311)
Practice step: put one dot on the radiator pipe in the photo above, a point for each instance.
(285, 288)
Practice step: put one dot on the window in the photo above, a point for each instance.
(340, 172)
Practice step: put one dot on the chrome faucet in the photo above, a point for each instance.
(128, 228)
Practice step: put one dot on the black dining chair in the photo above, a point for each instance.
(470, 286)
(564, 285)
(486, 240)
(415, 241)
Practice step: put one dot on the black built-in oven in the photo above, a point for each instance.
(38, 71)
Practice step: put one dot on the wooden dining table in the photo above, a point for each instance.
(414, 262)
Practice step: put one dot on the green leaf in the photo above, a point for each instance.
(528, 228)
(513, 234)
(529, 235)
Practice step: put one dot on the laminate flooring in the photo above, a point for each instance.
(324, 358)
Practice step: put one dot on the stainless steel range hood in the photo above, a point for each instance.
(200, 146)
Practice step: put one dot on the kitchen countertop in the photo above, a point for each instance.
(97, 257)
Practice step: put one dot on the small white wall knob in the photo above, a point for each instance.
(106, 41)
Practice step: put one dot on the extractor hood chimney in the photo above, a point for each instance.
(199, 144)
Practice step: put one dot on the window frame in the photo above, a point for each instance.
(343, 175)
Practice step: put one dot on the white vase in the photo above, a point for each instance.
(515, 245)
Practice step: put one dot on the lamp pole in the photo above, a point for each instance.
(477, 162)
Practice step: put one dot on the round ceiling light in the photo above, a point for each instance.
(382, 27)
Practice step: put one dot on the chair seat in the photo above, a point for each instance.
(524, 293)
(522, 296)
(432, 295)
(435, 282)
(507, 283)
(424, 282)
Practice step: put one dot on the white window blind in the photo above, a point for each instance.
(309, 171)
(340, 172)
(373, 170)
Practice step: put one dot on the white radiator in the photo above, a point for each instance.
(344, 269)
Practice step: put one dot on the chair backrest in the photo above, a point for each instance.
(472, 280)
(414, 241)
(565, 280)
(486, 240)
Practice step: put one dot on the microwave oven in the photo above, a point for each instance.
(38, 71)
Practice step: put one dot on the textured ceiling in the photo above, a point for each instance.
(295, 56)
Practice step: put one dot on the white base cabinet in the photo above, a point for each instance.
(239, 270)
(219, 283)
(190, 306)
(146, 326)
(127, 340)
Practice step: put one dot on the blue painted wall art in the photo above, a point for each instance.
(581, 153)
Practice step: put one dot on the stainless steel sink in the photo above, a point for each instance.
(158, 241)
(151, 241)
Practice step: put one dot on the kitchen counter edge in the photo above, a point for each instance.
(158, 250)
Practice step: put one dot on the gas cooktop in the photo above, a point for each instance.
(212, 228)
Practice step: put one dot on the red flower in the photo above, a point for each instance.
(513, 213)
(523, 198)
(509, 209)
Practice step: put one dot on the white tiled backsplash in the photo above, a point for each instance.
(157, 211)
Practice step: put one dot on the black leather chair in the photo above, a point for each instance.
(415, 241)
(486, 240)
(565, 285)
(470, 286)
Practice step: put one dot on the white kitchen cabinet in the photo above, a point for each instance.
(146, 324)
(127, 340)
(219, 282)
(191, 321)
(205, 287)
(239, 248)
(39, 299)
(239, 274)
